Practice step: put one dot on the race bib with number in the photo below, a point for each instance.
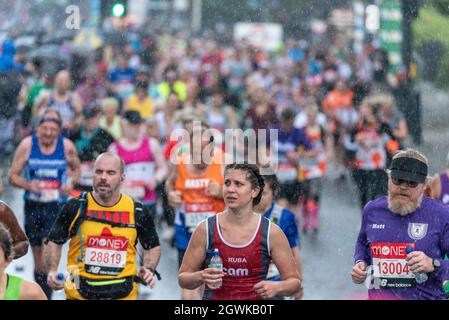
(287, 172)
(49, 191)
(197, 212)
(86, 173)
(106, 255)
(390, 266)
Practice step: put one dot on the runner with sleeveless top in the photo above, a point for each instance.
(247, 242)
(13, 287)
(45, 159)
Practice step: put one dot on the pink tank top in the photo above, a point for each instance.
(139, 168)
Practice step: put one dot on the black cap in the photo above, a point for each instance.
(132, 117)
(89, 113)
(408, 169)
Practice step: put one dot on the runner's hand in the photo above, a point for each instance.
(214, 189)
(419, 262)
(300, 294)
(66, 189)
(34, 186)
(210, 276)
(53, 281)
(147, 276)
(174, 198)
(359, 272)
(267, 289)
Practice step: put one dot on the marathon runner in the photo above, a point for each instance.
(144, 163)
(290, 141)
(103, 228)
(246, 241)
(91, 141)
(404, 237)
(13, 287)
(440, 185)
(195, 190)
(67, 103)
(44, 158)
(285, 219)
(313, 169)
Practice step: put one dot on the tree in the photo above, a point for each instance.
(441, 5)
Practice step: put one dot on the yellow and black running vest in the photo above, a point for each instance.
(102, 251)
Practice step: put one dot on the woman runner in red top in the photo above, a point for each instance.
(247, 243)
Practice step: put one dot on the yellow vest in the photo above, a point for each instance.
(109, 239)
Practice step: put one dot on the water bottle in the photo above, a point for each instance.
(216, 262)
(60, 278)
(420, 277)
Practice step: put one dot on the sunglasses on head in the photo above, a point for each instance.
(409, 184)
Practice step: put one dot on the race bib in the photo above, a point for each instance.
(390, 266)
(135, 176)
(106, 255)
(134, 189)
(86, 173)
(197, 212)
(49, 191)
(287, 172)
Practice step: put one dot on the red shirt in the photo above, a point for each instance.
(244, 265)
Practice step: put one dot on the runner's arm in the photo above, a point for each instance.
(443, 272)
(435, 187)
(362, 252)
(18, 164)
(148, 238)
(19, 238)
(190, 276)
(161, 166)
(59, 234)
(31, 291)
(285, 262)
(78, 109)
(171, 179)
(72, 160)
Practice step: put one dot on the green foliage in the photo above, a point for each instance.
(441, 5)
(431, 25)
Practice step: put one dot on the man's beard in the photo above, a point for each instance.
(403, 209)
(105, 195)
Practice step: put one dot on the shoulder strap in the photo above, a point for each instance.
(138, 208)
(82, 214)
(13, 288)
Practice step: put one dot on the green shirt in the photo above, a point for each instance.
(13, 288)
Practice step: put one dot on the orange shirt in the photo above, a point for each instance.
(338, 100)
(197, 205)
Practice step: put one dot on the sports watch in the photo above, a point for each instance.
(436, 264)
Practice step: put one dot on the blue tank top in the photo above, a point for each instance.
(444, 194)
(49, 170)
(64, 108)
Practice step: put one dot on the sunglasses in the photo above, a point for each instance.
(409, 184)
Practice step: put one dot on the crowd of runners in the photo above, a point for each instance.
(145, 140)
